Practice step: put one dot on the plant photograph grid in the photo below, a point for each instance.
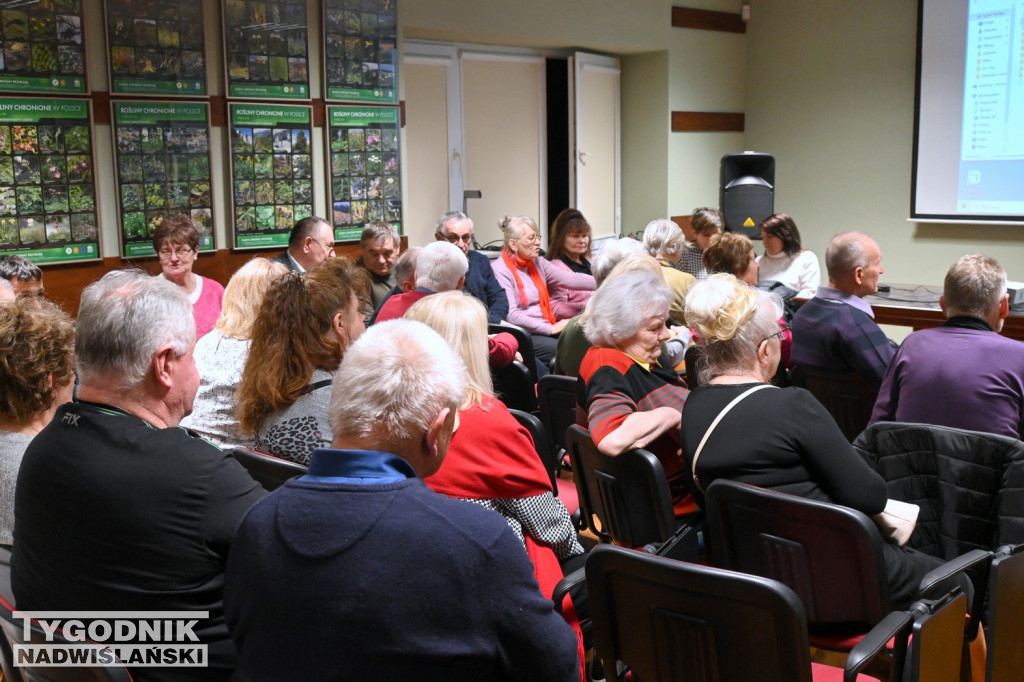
(42, 39)
(272, 176)
(359, 42)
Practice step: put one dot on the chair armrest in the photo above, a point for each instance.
(896, 626)
(565, 585)
(975, 559)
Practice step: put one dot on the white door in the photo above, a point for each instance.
(595, 87)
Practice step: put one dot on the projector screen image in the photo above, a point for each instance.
(969, 137)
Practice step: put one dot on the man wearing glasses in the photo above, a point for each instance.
(310, 243)
(456, 227)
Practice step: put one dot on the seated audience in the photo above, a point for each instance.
(220, 355)
(569, 249)
(531, 282)
(664, 240)
(705, 223)
(176, 242)
(962, 374)
(492, 460)
(785, 261)
(835, 331)
(620, 400)
(117, 508)
(310, 243)
(405, 277)
(380, 245)
(440, 266)
(777, 438)
(457, 228)
(733, 254)
(24, 276)
(36, 377)
(359, 571)
(572, 343)
(304, 326)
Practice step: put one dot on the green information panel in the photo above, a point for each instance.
(271, 171)
(359, 51)
(47, 189)
(156, 47)
(362, 144)
(266, 49)
(42, 47)
(162, 153)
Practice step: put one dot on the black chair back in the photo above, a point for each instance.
(540, 443)
(525, 344)
(848, 397)
(628, 494)
(670, 620)
(1005, 633)
(830, 555)
(557, 397)
(14, 635)
(269, 471)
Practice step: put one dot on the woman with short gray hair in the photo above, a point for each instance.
(626, 403)
(664, 240)
(533, 286)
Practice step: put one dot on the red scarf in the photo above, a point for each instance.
(515, 263)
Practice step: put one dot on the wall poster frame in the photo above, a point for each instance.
(360, 55)
(48, 210)
(266, 49)
(162, 167)
(43, 48)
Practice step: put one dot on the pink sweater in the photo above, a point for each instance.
(558, 281)
(206, 310)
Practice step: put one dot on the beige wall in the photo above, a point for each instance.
(830, 92)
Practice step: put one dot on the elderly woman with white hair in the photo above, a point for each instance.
(531, 284)
(620, 399)
(777, 438)
(664, 240)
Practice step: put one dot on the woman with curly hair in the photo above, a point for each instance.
(299, 338)
(36, 376)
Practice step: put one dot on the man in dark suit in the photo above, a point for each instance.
(310, 243)
(456, 227)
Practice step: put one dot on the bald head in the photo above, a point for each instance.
(854, 263)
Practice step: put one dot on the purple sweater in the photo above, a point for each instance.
(964, 377)
(559, 281)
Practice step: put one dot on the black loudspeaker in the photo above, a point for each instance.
(747, 194)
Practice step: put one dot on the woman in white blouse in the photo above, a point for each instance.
(785, 260)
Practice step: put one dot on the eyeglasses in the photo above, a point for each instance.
(329, 247)
(532, 239)
(180, 252)
(783, 328)
(455, 238)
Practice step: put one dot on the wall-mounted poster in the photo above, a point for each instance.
(156, 47)
(271, 155)
(162, 160)
(359, 50)
(43, 49)
(266, 49)
(47, 188)
(362, 143)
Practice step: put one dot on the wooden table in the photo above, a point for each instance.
(917, 306)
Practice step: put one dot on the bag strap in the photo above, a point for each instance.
(711, 428)
(309, 388)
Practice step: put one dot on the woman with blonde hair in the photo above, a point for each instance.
(221, 354)
(777, 438)
(492, 460)
(303, 328)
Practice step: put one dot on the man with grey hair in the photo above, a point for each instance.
(962, 374)
(380, 245)
(455, 227)
(404, 272)
(118, 508)
(374, 575)
(836, 331)
(440, 266)
(310, 243)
